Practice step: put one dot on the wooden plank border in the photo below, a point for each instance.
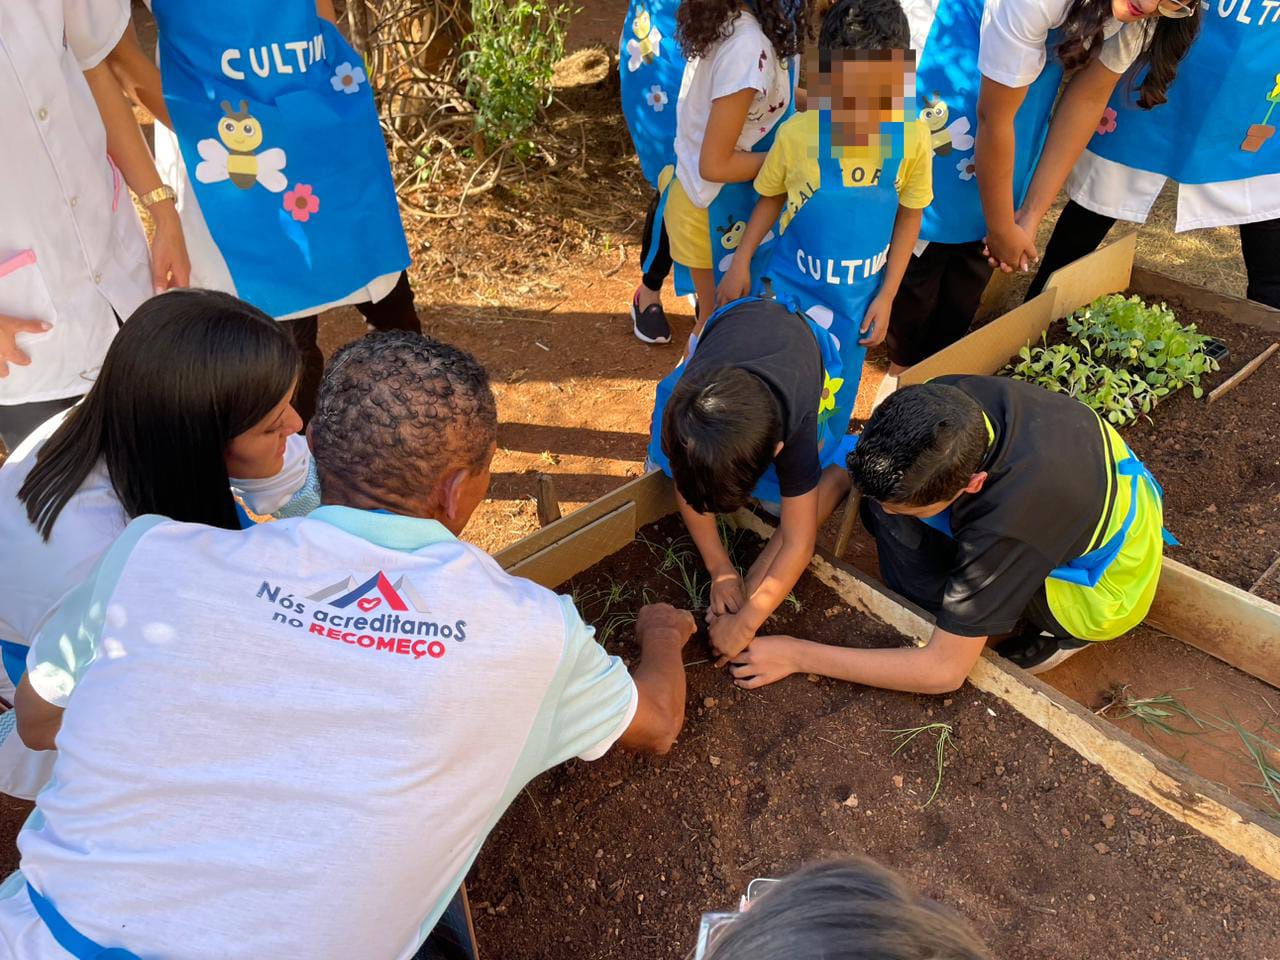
(653, 498)
(1237, 628)
(1224, 621)
(588, 536)
(1151, 284)
(1141, 769)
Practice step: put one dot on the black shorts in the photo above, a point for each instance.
(938, 299)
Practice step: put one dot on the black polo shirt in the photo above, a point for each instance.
(776, 345)
(1045, 493)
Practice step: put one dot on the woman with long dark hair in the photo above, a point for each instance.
(1215, 139)
(1004, 141)
(195, 390)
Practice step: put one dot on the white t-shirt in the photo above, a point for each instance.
(744, 60)
(36, 575)
(72, 252)
(1015, 35)
(291, 741)
(208, 267)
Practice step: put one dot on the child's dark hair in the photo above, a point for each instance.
(1167, 41)
(864, 25)
(701, 24)
(847, 910)
(920, 447)
(720, 431)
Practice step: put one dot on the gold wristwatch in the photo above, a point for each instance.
(162, 192)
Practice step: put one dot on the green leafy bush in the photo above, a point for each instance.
(508, 62)
(1125, 357)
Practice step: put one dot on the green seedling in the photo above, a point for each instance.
(679, 562)
(943, 742)
(1160, 713)
(1125, 357)
(1261, 752)
(793, 602)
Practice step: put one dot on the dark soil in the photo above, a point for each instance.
(1045, 854)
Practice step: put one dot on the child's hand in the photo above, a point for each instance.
(875, 322)
(1011, 248)
(736, 282)
(730, 635)
(767, 660)
(727, 594)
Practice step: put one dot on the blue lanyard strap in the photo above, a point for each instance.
(14, 657)
(68, 937)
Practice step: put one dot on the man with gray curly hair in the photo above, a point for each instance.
(291, 741)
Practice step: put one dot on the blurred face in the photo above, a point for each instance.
(865, 88)
(259, 451)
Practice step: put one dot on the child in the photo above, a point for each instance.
(272, 135)
(1226, 164)
(848, 910)
(992, 70)
(985, 524)
(737, 87)
(861, 157)
(650, 66)
(740, 418)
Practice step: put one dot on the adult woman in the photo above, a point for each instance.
(988, 84)
(195, 389)
(73, 257)
(1214, 138)
(269, 131)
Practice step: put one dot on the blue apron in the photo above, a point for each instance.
(280, 136)
(650, 70)
(731, 209)
(829, 263)
(947, 85)
(1224, 105)
(1087, 570)
(831, 449)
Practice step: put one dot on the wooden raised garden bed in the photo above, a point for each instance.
(1219, 464)
(1049, 825)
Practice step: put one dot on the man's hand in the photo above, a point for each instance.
(663, 623)
(875, 323)
(736, 283)
(170, 265)
(767, 660)
(727, 593)
(1011, 248)
(10, 353)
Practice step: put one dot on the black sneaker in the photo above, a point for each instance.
(649, 325)
(1036, 651)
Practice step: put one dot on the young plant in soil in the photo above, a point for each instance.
(1162, 713)
(943, 741)
(1124, 357)
(1158, 712)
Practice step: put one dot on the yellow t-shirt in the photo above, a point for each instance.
(792, 166)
